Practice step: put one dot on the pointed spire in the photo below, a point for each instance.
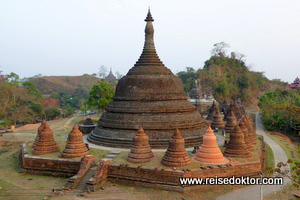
(149, 16)
(149, 62)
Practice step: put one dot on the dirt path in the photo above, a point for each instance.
(253, 192)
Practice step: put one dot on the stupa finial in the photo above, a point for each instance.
(149, 16)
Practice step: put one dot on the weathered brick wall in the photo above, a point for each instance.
(47, 166)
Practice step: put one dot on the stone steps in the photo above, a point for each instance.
(111, 155)
(82, 185)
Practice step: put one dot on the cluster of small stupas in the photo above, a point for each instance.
(45, 144)
(239, 124)
(176, 154)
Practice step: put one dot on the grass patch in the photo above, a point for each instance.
(290, 149)
(270, 162)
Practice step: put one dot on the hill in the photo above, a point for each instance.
(228, 77)
(48, 85)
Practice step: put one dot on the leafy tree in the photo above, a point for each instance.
(52, 113)
(32, 89)
(84, 108)
(100, 95)
(188, 78)
(280, 110)
(68, 110)
(102, 71)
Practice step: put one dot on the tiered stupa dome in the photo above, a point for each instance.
(209, 152)
(46, 143)
(236, 146)
(218, 121)
(75, 146)
(231, 122)
(247, 136)
(212, 111)
(251, 129)
(150, 95)
(41, 127)
(176, 155)
(140, 151)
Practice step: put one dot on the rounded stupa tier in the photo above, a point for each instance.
(152, 96)
(209, 152)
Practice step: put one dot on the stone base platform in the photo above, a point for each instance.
(124, 139)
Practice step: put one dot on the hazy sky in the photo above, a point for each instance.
(73, 37)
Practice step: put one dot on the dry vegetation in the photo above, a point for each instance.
(50, 84)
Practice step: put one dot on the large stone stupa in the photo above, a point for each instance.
(152, 96)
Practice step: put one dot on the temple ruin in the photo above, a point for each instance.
(151, 95)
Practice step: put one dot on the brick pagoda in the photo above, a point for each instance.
(75, 146)
(149, 94)
(46, 143)
(140, 151)
(209, 152)
(247, 137)
(41, 127)
(176, 155)
(236, 146)
(212, 111)
(218, 121)
(231, 122)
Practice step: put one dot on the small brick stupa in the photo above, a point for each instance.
(218, 121)
(41, 127)
(247, 137)
(75, 146)
(251, 129)
(236, 146)
(209, 152)
(212, 111)
(176, 155)
(231, 122)
(140, 151)
(46, 143)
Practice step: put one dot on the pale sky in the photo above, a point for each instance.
(73, 37)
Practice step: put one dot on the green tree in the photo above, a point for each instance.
(100, 95)
(188, 78)
(52, 113)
